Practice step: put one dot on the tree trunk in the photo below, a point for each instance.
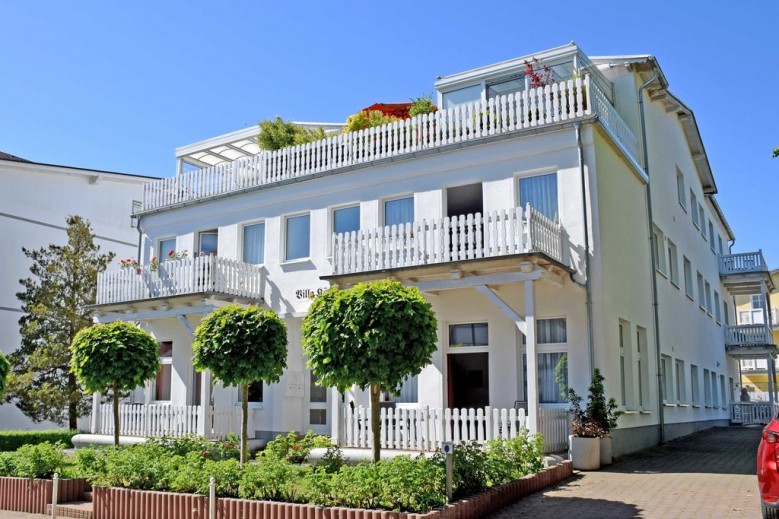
(116, 416)
(244, 424)
(73, 401)
(375, 421)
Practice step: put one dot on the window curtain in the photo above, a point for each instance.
(541, 193)
(409, 391)
(298, 237)
(552, 377)
(399, 211)
(254, 244)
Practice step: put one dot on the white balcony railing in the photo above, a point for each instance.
(428, 242)
(751, 413)
(425, 428)
(747, 335)
(536, 107)
(204, 274)
(144, 420)
(743, 263)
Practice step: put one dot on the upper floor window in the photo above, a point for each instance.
(209, 241)
(507, 85)
(541, 193)
(254, 244)
(680, 191)
(702, 217)
(460, 96)
(346, 219)
(298, 237)
(711, 236)
(694, 208)
(688, 278)
(757, 301)
(673, 263)
(399, 211)
(719, 242)
(166, 247)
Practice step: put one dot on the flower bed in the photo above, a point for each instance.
(120, 503)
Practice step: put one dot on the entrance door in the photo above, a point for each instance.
(318, 406)
(460, 202)
(469, 384)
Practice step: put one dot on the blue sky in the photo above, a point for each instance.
(90, 84)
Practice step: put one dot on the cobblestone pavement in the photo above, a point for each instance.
(710, 474)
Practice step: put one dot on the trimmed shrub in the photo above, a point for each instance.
(12, 440)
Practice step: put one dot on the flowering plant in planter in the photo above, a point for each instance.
(128, 263)
(174, 255)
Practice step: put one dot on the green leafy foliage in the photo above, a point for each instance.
(509, 460)
(118, 356)
(209, 449)
(278, 133)
(56, 301)
(599, 416)
(422, 105)
(5, 368)
(333, 460)
(471, 471)
(33, 461)
(362, 120)
(12, 440)
(373, 333)
(776, 153)
(272, 479)
(294, 449)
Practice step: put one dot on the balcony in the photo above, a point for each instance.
(212, 275)
(749, 340)
(529, 110)
(745, 273)
(461, 238)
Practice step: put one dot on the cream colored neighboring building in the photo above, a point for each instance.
(35, 200)
(525, 215)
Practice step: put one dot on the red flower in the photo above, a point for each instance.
(296, 447)
(228, 446)
(205, 454)
(171, 252)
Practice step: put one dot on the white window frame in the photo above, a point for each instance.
(681, 383)
(717, 309)
(701, 291)
(242, 238)
(659, 250)
(709, 309)
(666, 375)
(681, 190)
(689, 282)
(642, 364)
(711, 237)
(694, 209)
(723, 392)
(695, 393)
(673, 263)
(285, 238)
(702, 214)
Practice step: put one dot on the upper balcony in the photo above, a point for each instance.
(745, 273)
(749, 340)
(447, 241)
(206, 275)
(471, 123)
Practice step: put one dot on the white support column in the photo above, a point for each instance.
(95, 425)
(204, 422)
(532, 359)
(771, 379)
(335, 415)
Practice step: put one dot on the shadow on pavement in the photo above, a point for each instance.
(584, 508)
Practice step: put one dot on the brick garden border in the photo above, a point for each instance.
(33, 495)
(121, 503)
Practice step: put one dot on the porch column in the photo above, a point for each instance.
(335, 413)
(204, 423)
(771, 379)
(95, 424)
(766, 313)
(532, 359)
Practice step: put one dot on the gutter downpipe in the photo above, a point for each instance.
(587, 284)
(655, 310)
(140, 238)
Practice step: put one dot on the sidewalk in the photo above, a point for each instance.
(710, 474)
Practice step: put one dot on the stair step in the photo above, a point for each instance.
(76, 509)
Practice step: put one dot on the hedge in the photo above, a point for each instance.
(12, 440)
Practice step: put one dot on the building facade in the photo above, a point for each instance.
(523, 210)
(36, 199)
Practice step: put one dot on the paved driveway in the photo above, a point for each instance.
(708, 474)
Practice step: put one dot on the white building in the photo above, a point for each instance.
(525, 216)
(36, 199)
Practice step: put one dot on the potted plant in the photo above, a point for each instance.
(584, 441)
(604, 413)
(593, 423)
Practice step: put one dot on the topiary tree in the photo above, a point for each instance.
(114, 357)
(5, 367)
(241, 345)
(374, 335)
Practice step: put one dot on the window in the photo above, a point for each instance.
(673, 263)
(399, 211)
(711, 236)
(255, 393)
(757, 301)
(717, 312)
(506, 85)
(714, 393)
(695, 385)
(725, 312)
(552, 377)
(165, 373)
(551, 330)
(702, 218)
(720, 248)
(460, 96)
(694, 209)
(541, 193)
(658, 246)
(254, 244)
(666, 376)
(643, 367)
(209, 243)
(723, 392)
(706, 388)
(681, 396)
(626, 393)
(298, 232)
(688, 278)
(709, 309)
(680, 191)
(701, 293)
(166, 247)
(464, 335)
(346, 219)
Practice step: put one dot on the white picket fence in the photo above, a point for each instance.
(146, 420)
(532, 108)
(458, 238)
(178, 277)
(751, 413)
(554, 424)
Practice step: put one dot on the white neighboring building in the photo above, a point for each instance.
(35, 200)
(525, 216)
